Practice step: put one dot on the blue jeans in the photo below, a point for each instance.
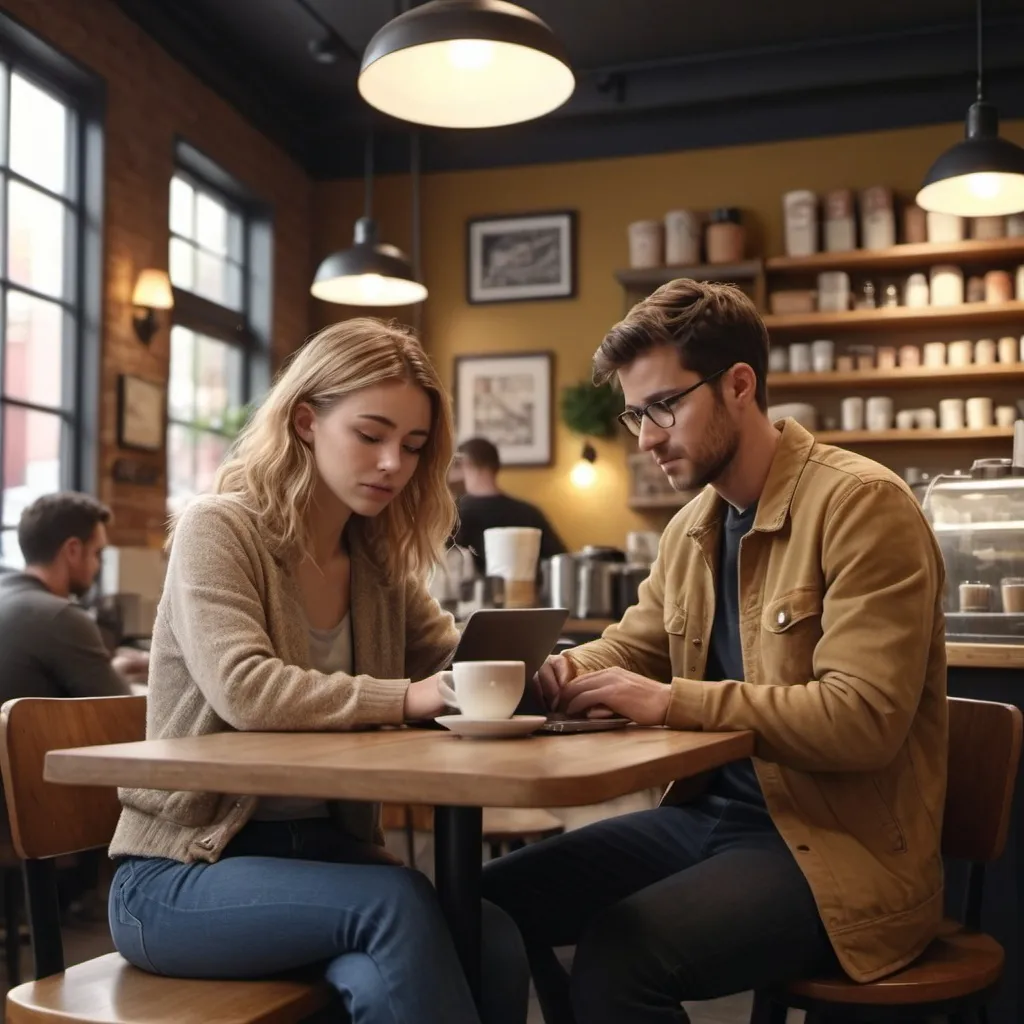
(377, 929)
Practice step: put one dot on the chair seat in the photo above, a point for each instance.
(507, 823)
(108, 990)
(958, 963)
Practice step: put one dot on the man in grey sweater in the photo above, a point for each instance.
(49, 646)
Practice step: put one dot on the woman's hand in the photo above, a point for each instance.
(423, 699)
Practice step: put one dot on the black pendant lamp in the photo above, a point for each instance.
(466, 64)
(370, 273)
(983, 176)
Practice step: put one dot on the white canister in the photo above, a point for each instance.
(1005, 415)
(925, 418)
(905, 419)
(960, 353)
(1007, 349)
(947, 285)
(800, 210)
(987, 228)
(945, 227)
(916, 292)
(978, 412)
(851, 412)
(823, 356)
(878, 412)
(985, 351)
(683, 231)
(800, 357)
(778, 359)
(877, 218)
(935, 353)
(646, 244)
(951, 414)
(834, 291)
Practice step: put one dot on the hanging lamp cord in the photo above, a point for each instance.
(368, 174)
(981, 89)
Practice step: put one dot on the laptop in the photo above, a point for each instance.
(528, 635)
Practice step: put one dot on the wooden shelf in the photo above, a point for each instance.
(924, 255)
(898, 318)
(648, 279)
(847, 437)
(989, 375)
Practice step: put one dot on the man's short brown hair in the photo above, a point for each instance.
(55, 518)
(479, 452)
(711, 326)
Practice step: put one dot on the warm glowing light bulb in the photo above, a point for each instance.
(470, 54)
(372, 286)
(583, 474)
(984, 185)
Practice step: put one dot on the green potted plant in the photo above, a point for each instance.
(589, 410)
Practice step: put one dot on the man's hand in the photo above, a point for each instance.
(642, 700)
(555, 673)
(131, 663)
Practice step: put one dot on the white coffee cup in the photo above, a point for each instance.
(979, 412)
(484, 689)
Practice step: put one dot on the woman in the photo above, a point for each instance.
(294, 600)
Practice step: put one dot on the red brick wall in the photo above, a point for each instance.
(151, 99)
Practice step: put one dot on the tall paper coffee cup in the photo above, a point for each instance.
(511, 552)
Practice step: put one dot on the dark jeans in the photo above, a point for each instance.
(672, 904)
(280, 899)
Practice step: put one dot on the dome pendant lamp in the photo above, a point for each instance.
(983, 175)
(370, 273)
(466, 64)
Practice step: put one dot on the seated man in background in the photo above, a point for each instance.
(484, 505)
(798, 597)
(50, 646)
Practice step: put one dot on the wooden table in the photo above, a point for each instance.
(459, 777)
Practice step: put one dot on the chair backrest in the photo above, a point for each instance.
(984, 753)
(47, 819)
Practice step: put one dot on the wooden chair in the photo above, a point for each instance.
(10, 866)
(49, 820)
(956, 973)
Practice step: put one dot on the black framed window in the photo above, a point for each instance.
(50, 275)
(220, 270)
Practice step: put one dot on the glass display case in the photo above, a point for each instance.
(978, 519)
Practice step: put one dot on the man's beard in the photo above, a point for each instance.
(711, 459)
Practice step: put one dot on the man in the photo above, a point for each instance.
(51, 647)
(799, 597)
(485, 505)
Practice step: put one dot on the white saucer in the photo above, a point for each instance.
(492, 728)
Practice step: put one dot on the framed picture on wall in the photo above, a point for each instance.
(523, 257)
(140, 414)
(508, 400)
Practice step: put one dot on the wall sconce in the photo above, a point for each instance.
(584, 473)
(152, 292)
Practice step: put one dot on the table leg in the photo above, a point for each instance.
(458, 856)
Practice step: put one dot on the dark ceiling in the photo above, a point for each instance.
(652, 75)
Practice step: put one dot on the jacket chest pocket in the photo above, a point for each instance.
(686, 652)
(790, 631)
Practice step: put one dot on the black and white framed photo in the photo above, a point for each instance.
(140, 414)
(520, 258)
(508, 400)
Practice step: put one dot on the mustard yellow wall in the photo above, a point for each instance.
(607, 194)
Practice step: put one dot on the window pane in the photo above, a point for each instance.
(33, 445)
(182, 200)
(180, 462)
(210, 452)
(35, 240)
(182, 264)
(218, 380)
(182, 389)
(211, 224)
(39, 132)
(10, 552)
(33, 349)
(235, 239)
(210, 277)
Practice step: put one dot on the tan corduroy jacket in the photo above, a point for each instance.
(843, 643)
(229, 650)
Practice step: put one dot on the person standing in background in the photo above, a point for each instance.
(485, 505)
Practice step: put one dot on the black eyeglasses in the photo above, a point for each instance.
(661, 413)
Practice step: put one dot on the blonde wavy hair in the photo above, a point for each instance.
(272, 472)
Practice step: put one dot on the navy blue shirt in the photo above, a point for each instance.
(736, 781)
